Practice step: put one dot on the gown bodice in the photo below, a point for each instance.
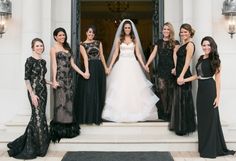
(181, 56)
(127, 50)
(165, 60)
(35, 71)
(92, 49)
(64, 70)
(204, 68)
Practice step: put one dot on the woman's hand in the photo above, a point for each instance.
(216, 102)
(34, 99)
(180, 80)
(146, 68)
(109, 70)
(86, 75)
(173, 71)
(55, 84)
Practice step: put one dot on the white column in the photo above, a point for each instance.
(31, 28)
(173, 13)
(202, 21)
(187, 11)
(47, 37)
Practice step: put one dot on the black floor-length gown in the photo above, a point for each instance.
(90, 93)
(35, 141)
(210, 134)
(165, 80)
(183, 113)
(63, 124)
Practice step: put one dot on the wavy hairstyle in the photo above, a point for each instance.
(213, 55)
(172, 34)
(65, 43)
(122, 35)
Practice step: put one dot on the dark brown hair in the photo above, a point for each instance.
(189, 28)
(65, 43)
(213, 55)
(91, 27)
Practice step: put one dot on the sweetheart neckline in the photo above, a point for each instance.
(127, 44)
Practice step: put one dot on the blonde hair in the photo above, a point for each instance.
(172, 34)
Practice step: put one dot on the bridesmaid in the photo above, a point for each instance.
(211, 142)
(90, 94)
(183, 113)
(165, 49)
(35, 141)
(63, 124)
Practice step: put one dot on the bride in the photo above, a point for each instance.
(129, 97)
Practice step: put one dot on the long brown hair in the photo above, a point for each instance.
(213, 55)
(122, 35)
(65, 43)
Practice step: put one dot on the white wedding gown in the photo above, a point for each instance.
(129, 97)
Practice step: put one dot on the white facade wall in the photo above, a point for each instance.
(38, 18)
(30, 19)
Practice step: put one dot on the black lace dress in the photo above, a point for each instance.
(210, 135)
(90, 93)
(165, 80)
(63, 124)
(183, 113)
(35, 141)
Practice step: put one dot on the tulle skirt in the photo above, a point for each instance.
(129, 95)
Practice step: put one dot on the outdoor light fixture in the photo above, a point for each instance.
(5, 14)
(229, 11)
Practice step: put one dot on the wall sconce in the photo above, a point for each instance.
(5, 13)
(229, 11)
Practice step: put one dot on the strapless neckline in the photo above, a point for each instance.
(127, 44)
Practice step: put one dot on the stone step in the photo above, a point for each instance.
(20, 122)
(142, 136)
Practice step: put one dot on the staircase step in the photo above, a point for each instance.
(109, 136)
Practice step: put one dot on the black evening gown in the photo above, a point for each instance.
(63, 124)
(210, 134)
(35, 141)
(165, 80)
(183, 119)
(90, 93)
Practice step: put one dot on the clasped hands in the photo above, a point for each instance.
(86, 75)
(180, 80)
